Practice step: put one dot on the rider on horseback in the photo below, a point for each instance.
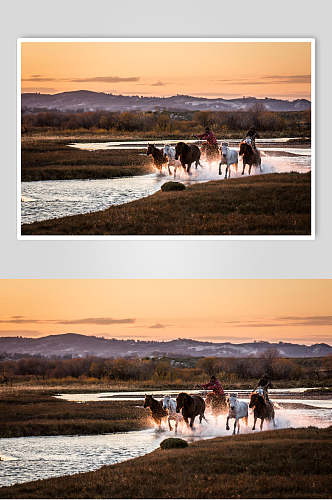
(264, 383)
(215, 386)
(209, 137)
(251, 137)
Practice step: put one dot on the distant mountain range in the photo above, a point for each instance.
(76, 345)
(85, 100)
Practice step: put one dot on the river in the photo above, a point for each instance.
(31, 458)
(42, 200)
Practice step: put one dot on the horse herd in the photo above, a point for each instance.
(184, 155)
(186, 408)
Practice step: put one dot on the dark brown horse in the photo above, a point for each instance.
(187, 155)
(262, 409)
(156, 407)
(250, 157)
(159, 159)
(191, 406)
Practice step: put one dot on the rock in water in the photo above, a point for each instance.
(173, 186)
(173, 443)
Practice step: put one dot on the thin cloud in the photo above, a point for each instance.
(40, 90)
(281, 321)
(96, 321)
(158, 325)
(158, 84)
(273, 79)
(20, 333)
(107, 79)
(18, 320)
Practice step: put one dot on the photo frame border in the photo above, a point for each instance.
(281, 39)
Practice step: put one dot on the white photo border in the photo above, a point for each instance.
(311, 237)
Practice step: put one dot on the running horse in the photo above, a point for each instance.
(191, 406)
(263, 409)
(250, 157)
(159, 159)
(187, 155)
(157, 411)
(238, 410)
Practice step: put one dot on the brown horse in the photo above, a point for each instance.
(262, 409)
(187, 155)
(156, 407)
(159, 159)
(250, 157)
(191, 406)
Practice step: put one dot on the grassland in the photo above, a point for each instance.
(274, 204)
(290, 463)
(53, 159)
(38, 413)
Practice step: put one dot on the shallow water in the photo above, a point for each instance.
(31, 458)
(42, 200)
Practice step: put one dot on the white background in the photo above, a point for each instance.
(166, 259)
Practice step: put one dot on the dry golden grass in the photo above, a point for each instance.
(273, 204)
(37, 413)
(292, 463)
(53, 159)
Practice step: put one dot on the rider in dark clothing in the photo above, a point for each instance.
(252, 134)
(265, 383)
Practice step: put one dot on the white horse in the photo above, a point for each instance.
(169, 404)
(230, 157)
(236, 409)
(169, 151)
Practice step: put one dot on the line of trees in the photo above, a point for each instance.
(296, 123)
(193, 370)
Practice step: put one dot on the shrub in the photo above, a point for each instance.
(173, 186)
(173, 443)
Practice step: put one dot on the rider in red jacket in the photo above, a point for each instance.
(209, 137)
(215, 386)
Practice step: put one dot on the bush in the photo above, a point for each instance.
(173, 443)
(173, 186)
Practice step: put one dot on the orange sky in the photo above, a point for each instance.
(216, 310)
(210, 69)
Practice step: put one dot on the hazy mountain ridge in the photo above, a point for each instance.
(85, 100)
(77, 345)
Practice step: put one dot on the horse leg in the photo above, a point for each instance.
(169, 169)
(238, 426)
(262, 421)
(186, 420)
(244, 166)
(169, 424)
(246, 421)
(236, 166)
(255, 420)
(249, 169)
(227, 426)
(220, 168)
(236, 421)
(192, 420)
(226, 171)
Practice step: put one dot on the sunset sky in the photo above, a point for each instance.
(215, 310)
(210, 69)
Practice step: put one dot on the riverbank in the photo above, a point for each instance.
(289, 463)
(38, 413)
(273, 204)
(52, 159)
